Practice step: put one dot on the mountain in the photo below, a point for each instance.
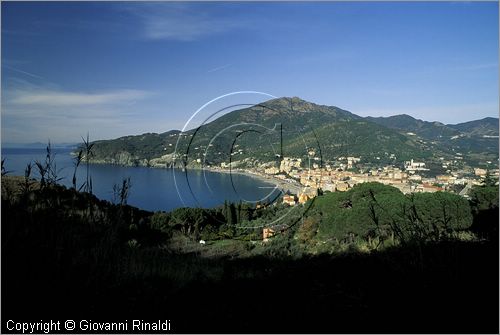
(297, 128)
(297, 116)
(484, 127)
(135, 150)
(435, 130)
(373, 142)
(477, 140)
(424, 129)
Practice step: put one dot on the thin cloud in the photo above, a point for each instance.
(219, 68)
(180, 22)
(22, 72)
(61, 98)
(31, 113)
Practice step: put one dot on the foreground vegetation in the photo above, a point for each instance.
(399, 263)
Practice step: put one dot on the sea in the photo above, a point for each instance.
(152, 189)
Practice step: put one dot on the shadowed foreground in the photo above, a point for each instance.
(58, 264)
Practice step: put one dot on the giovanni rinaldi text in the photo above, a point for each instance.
(51, 326)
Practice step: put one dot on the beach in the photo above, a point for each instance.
(294, 188)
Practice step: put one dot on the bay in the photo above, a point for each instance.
(152, 189)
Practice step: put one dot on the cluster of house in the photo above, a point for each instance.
(292, 199)
(333, 179)
(408, 179)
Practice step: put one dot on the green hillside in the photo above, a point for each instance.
(252, 136)
(487, 126)
(476, 140)
(424, 129)
(135, 150)
(363, 139)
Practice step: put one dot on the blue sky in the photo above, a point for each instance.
(115, 68)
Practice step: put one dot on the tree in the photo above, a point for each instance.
(190, 221)
(231, 216)
(489, 180)
(160, 221)
(373, 210)
(483, 198)
(308, 228)
(428, 216)
(484, 207)
(365, 211)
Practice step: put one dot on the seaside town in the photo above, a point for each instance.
(302, 183)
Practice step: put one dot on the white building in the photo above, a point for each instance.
(411, 165)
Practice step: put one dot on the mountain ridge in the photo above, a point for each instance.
(341, 132)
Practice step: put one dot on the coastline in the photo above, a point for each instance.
(283, 185)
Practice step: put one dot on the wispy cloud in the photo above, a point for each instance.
(219, 68)
(33, 113)
(62, 98)
(22, 72)
(181, 22)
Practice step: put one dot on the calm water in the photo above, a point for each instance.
(152, 189)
